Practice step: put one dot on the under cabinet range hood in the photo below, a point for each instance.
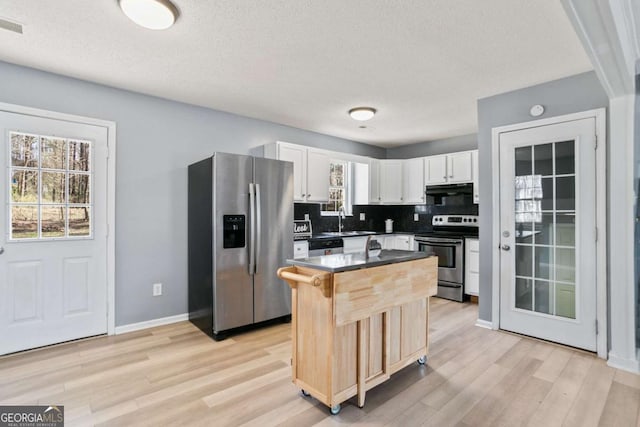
(449, 194)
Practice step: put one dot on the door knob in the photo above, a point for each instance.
(505, 247)
(1, 250)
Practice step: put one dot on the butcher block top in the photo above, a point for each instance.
(337, 263)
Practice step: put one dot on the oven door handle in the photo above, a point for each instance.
(441, 244)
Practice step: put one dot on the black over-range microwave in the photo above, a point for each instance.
(449, 194)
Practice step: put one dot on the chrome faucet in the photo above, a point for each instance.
(341, 216)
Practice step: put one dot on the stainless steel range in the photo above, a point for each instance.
(447, 242)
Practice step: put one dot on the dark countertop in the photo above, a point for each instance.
(345, 234)
(337, 263)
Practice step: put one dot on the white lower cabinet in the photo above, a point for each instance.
(403, 242)
(472, 266)
(300, 249)
(354, 244)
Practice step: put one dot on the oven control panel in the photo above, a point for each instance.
(455, 220)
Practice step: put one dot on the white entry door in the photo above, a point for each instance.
(53, 259)
(548, 232)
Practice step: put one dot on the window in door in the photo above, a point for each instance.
(50, 195)
(545, 222)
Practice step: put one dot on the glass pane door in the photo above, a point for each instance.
(545, 223)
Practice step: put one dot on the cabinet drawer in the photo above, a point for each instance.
(474, 245)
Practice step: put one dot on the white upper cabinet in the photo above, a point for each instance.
(317, 176)
(391, 181)
(435, 169)
(310, 170)
(474, 172)
(298, 156)
(448, 168)
(413, 181)
(459, 167)
(374, 181)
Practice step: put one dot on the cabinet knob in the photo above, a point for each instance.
(450, 176)
(308, 195)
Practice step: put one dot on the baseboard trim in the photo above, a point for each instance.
(631, 365)
(484, 324)
(151, 323)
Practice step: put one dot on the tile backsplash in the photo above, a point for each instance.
(375, 215)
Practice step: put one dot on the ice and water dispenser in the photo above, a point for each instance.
(233, 231)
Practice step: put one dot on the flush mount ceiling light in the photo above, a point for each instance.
(151, 14)
(362, 113)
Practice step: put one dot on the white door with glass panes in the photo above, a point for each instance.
(53, 253)
(548, 232)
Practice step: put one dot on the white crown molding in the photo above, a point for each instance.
(609, 32)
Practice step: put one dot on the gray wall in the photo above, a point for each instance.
(431, 148)
(156, 140)
(569, 95)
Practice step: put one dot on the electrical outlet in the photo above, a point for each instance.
(157, 289)
(306, 217)
(415, 217)
(362, 216)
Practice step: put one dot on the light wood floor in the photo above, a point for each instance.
(175, 375)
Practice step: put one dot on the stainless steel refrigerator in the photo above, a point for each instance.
(240, 232)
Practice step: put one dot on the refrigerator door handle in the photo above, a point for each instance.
(258, 235)
(252, 229)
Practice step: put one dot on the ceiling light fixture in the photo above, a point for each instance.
(362, 113)
(151, 14)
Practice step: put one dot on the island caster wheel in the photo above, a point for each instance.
(422, 360)
(305, 393)
(335, 409)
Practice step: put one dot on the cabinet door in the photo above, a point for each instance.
(435, 170)
(298, 156)
(414, 328)
(403, 243)
(413, 181)
(472, 267)
(317, 176)
(391, 181)
(374, 181)
(354, 244)
(387, 242)
(459, 167)
(474, 172)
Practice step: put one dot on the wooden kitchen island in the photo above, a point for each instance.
(357, 320)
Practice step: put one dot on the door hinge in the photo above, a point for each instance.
(596, 234)
(596, 142)
(596, 327)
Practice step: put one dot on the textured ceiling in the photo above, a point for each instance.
(421, 63)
